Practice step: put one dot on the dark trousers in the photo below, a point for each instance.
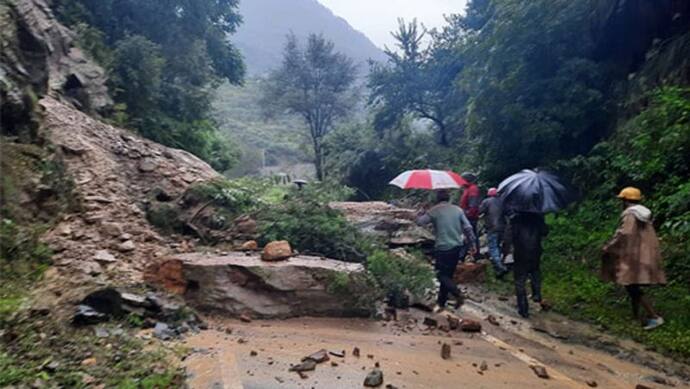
(526, 267)
(445, 263)
(475, 229)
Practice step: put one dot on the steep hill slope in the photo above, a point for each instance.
(267, 22)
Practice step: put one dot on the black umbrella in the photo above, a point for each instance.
(533, 191)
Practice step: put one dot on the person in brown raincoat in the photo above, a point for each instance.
(632, 258)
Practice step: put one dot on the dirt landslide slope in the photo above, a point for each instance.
(115, 174)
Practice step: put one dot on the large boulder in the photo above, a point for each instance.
(277, 251)
(240, 284)
(394, 224)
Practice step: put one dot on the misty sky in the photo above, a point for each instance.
(376, 18)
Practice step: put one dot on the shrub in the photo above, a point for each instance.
(397, 274)
(313, 227)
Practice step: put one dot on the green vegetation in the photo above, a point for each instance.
(278, 140)
(164, 59)
(54, 353)
(315, 83)
(306, 221)
(397, 274)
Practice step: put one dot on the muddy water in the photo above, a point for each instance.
(259, 354)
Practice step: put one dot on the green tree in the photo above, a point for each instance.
(418, 81)
(316, 83)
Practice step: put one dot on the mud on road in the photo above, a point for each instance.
(259, 354)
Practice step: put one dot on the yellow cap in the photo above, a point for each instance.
(630, 193)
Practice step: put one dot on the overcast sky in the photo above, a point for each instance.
(377, 18)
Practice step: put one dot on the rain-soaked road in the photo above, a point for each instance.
(258, 355)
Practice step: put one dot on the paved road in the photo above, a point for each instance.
(408, 354)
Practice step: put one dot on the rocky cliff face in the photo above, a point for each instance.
(39, 58)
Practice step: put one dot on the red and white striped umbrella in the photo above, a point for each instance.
(428, 179)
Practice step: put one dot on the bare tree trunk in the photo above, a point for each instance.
(318, 159)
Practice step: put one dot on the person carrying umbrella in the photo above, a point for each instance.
(469, 202)
(528, 195)
(494, 222)
(632, 258)
(450, 224)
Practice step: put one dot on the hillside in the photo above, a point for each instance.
(275, 142)
(266, 23)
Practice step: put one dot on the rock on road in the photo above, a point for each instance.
(259, 354)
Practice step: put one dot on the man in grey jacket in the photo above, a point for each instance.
(450, 223)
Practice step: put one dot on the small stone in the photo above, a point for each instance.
(228, 331)
(334, 363)
(245, 318)
(101, 332)
(391, 386)
(87, 379)
(318, 357)
(52, 366)
(339, 354)
(253, 353)
(453, 323)
(277, 251)
(307, 365)
(241, 341)
(249, 246)
(126, 246)
(483, 366)
(540, 371)
(592, 383)
(355, 352)
(147, 165)
(430, 322)
(492, 319)
(640, 386)
(470, 326)
(104, 256)
(89, 362)
(445, 351)
(374, 379)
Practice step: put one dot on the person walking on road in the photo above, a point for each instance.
(632, 258)
(528, 229)
(469, 202)
(494, 223)
(450, 224)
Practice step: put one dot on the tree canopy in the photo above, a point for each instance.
(316, 83)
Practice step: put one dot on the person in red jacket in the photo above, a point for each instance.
(469, 202)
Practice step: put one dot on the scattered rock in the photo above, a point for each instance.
(467, 325)
(52, 366)
(640, 386)
(492, 319)
(430, 322)
(470, 273)
(253, 353)
(277, 251)
(147, 165)
(86, 315)
(540, 371)
(592, 383)
(374, 379)
(89, 362)
(249, 246)
(339, 354)
(163, 332)
(104, 256)
(334, 363)
(318, 357)
(126, 246)
(101, 332)
(306, 365)
(445, 351)
(355, 352)
(483, 366)
(658, 380)
(453, 323)
(391, 386)
(245, 318)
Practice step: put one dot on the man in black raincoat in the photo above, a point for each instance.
(528, 229)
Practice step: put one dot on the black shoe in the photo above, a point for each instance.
(459, 301)
(523, 306)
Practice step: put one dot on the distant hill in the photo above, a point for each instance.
(267, 22)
